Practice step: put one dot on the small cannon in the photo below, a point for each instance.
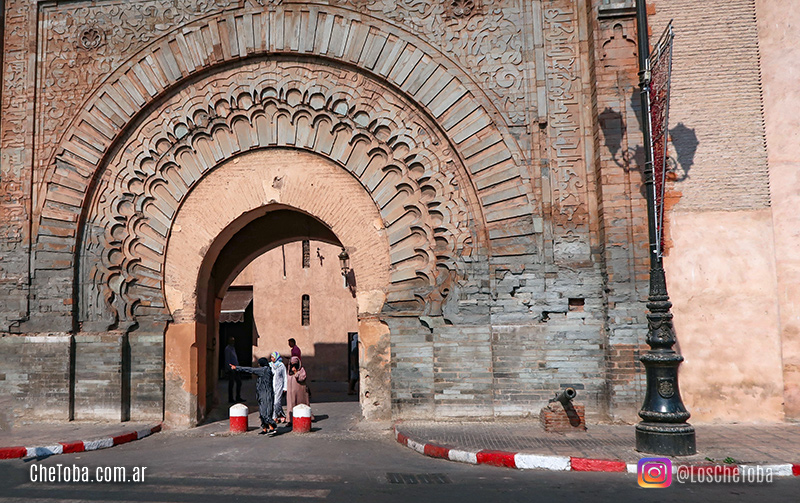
(568, 417)
(565, 397)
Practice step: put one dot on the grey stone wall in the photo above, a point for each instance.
(483, 371)
(412, 367)
(146, 376)
(89, 377)
(543, 334)
(98, 376)
(34, 378)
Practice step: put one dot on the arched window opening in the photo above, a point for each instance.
(305, 311)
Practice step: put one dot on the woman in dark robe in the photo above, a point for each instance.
(264, 392)
(296, 387)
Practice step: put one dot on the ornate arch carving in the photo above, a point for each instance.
(467, 120)
(430, 211)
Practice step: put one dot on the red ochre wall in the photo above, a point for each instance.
(277, 299)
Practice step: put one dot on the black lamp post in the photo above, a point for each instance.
(663, 429)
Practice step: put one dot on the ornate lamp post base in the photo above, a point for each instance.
(663, 429)
(666, 439)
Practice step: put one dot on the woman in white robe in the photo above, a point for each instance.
(278, 385)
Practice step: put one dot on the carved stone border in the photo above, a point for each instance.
(410, 66)
(421, 191)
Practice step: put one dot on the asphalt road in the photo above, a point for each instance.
(339, 462)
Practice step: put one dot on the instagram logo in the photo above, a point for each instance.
(655, 472)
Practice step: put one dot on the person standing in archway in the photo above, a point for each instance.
(278, 385)
(296, 386)
(231, 360)
(264, 391)
(353, 365)
(295, 348)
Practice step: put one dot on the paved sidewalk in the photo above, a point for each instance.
(499, 442)
(46, 439)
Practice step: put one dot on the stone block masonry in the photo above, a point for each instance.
(481, 168)
(532, 362)
(98, 376)
(146, 380)
(35, 378)
(88, 377)
(492, 371)
(463, 382)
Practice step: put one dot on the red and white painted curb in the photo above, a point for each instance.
(523, 461)
(78, 446)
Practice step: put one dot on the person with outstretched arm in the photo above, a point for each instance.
(264, 392)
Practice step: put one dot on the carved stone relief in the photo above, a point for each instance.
(400, 159)
(460, 8)
(83, 43)
(484, 36)
(450, 117)
(564, 92)
(15, 124)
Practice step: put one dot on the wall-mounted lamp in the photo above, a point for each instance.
(344, 262)
(349, 275)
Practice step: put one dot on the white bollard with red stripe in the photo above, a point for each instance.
(238, 416)
(301, 422)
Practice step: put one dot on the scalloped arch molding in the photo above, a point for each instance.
(434, 90)
(398, 117)
(422, 194)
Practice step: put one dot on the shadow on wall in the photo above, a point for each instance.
(329, 362)
(683, 139)
(631, 159)
(685, 143)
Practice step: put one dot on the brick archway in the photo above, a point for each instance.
(462, 120)
(196, 274)
(418, 136)
(422, 194)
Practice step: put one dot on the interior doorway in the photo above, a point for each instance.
(270, 204)
(278, 278)
(297, 291)
(236, 322)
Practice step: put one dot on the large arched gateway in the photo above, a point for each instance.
(425, 212)
(402, 131)
(405, 143)
(476, 160)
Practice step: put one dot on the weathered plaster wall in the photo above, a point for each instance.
(780, 73)
(181, 393)
(277, 302)
(721, 279)
(721, 253)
